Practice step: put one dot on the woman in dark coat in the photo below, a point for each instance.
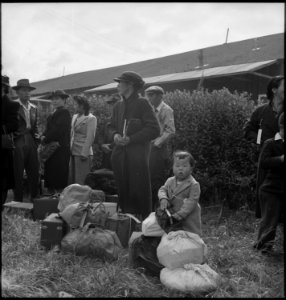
(9, 125)
(133, 126)
(58, 130)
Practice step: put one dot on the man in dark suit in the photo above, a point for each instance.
(9, 125)
(26, 142)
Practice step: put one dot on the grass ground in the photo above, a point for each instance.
(29, 271)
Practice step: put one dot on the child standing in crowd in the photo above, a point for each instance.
(271, 191)
(182, 192)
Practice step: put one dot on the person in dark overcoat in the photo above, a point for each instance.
(133, 126)
(271, 191)
(58, 130)
(9, 125)
(27, 139)
(263, 125)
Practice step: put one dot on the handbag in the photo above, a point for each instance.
(7, 140)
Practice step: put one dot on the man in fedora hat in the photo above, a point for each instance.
(159, 157)
(26, 142)
(9, 125)
(133, 126)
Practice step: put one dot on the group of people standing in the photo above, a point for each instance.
(265, 130)
(138, 131)
(137, 134)
(68, 162)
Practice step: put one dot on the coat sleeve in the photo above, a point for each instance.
(168, 127)
(36, 133)
(90, 135)
(252, 126)
(13, 119)
(59, 127)
(150, 129)
(267, 160)
(163, 191)
(112, 125)
(189, 203)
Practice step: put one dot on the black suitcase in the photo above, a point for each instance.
(53, 229)
(44, 206)
(111, 198)
(143, 254)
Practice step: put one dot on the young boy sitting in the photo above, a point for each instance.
(271, 191)
(182, 193)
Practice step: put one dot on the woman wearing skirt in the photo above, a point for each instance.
(83, 131)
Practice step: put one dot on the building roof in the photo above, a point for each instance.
(184, 76)
(247, 51)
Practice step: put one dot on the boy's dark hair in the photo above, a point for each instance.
(273, 84)
(81, 100)
(182, 154)
(281, 121)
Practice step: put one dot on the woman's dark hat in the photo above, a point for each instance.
(5, 80)
(59, 93)
(23, 83)
(131, 76)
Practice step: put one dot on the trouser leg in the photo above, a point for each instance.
(19, 158)
(32, 169)
(270, 212)
(4, 197)
(158, 166)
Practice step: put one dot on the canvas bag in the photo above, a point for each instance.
(150, 226)
(92, 241)
(178, 248)
(193, 278)
(95, 213)
(76, 193)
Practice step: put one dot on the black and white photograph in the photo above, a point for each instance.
(142, 149)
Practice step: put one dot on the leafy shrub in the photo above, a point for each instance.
(210, 126)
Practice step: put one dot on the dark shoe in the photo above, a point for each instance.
(267, 250)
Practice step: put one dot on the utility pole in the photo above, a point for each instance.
(63, 71)
(226, 35)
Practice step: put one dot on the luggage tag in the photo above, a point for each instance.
(169, 215)
(258, 140)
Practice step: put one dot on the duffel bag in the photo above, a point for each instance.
(178, 248)
(91, 213)
(92, 241)
(142, 254)
(76, 193)
(193, 278)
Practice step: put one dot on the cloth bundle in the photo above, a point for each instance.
(92, 241)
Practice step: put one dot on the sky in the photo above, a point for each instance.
(47, 40)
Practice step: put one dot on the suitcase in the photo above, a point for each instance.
(44, 206)
(53, 229)
(123, 225)
(111, 198)
(15, 206)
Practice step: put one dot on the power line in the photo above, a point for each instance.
(106, 42)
